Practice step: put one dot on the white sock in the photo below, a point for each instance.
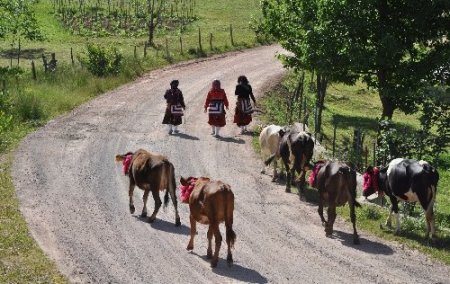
(175, 128)
(213, 130)
(169, 127)
(217, 130)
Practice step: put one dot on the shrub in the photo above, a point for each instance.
(102, 61)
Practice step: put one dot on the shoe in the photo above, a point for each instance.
(170, 131)
(176, 131)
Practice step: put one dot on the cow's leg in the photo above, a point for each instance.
(275, 174)
(320, 210)
(145, 198)
(353, 218)
(130, 195)
(155, 193)
(394, 203)
(429, 214)
(193, 232)
(175, 205)
(218, 242)
(288, 174)
(331, 217)
(209, 235)
(301, 185)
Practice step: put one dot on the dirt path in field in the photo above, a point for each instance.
(74, 197)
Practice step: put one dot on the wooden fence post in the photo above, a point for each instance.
(33, 70)
(211, 41)
(231, 35)
(167, 48)
(4, 86)
(334, 139)
(71, 56)
(44, 61)
(181, 46)
(145, 49)
(135, 52)
(374, 153)
(366, 157)
(18, 53)
(200, 40)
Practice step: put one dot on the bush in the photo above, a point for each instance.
(28, 107)
(102, 61)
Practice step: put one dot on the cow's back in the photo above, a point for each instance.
(148, 167)
(337, 181)
(269, 139)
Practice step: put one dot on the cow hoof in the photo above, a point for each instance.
(209, 254)
(288, 190)
(132, 209)
(328, 235)
(177, 222)
(230, 260)
(189, 247)
(151, 219)
(214, 263)
(143, 214)
(356, 241)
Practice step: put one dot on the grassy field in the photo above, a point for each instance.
(29, 104)
(352, 107)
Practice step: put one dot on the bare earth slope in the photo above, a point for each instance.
(74, 197)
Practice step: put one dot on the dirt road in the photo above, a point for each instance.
(74, 197)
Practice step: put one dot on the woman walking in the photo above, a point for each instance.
(244, 110)
(214, 104)
(175, 107)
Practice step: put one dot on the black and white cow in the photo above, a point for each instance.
(296, 150)
(410, 180)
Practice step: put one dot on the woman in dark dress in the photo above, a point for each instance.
(244, 110)
(175, 107)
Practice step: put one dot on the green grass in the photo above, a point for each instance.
(21, 260)
(32, 103)
(355, 106)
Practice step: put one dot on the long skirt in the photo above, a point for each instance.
(169, 118)
(240, 118)
(217, 120)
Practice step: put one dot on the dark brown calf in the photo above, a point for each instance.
(336, 182)
(151, 172)
(211, 203)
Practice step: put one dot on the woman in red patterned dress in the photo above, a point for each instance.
(214, 104)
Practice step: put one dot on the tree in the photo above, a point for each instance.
(18, 21)
(154, 13)
(313, 32)
(396, 46)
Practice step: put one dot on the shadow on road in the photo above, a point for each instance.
(235, 271)
(366, 245)
(165, 226)
(186, 136)
(231, 140)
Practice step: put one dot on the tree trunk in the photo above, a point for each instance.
(151, 23)
(322, 83)
(383, 90)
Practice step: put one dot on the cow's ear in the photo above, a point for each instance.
(281, 132)
(183, 181)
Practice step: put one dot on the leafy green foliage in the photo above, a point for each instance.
(17, 20)
(102, 61)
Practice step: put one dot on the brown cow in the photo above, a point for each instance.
(150, 172)
(211, 202)
(336, 182)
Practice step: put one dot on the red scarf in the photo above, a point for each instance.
(126, 163)
(186, 190)
(370, 179)
(315, 170)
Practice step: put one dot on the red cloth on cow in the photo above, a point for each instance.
(126, 163)
(186, 190)
(315, 170)
(370, 182)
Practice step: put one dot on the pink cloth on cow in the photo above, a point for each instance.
(186, 190)
(315, 170)
(370, 180)
(126, 163)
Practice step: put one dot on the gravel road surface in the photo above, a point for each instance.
(74, 196)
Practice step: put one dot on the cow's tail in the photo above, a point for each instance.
(171, 184)
(229, 208)
(350, 171)
(270, 159)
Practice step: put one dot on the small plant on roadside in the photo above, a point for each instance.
(102, 61)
